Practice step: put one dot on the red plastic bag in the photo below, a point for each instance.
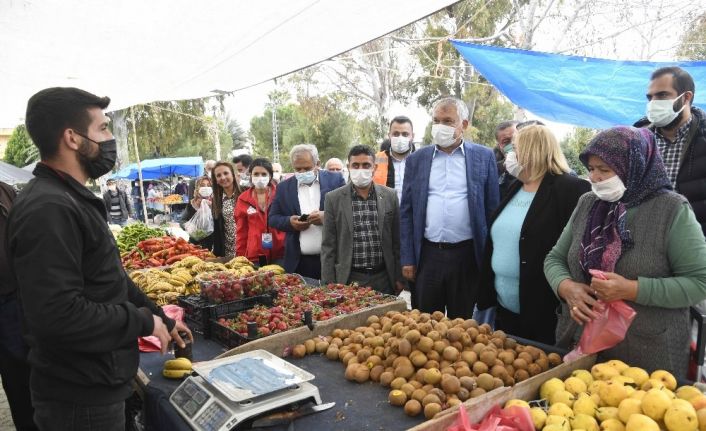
(513, 418)
(604, 332)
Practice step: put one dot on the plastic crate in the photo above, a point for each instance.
(214, 284)
(198, 311)
(226, 336)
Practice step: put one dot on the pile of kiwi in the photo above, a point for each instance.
(429, 361)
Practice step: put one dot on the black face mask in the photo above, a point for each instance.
(101, 164)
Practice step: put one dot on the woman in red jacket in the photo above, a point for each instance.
(254, 236)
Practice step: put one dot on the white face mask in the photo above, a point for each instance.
(261, 182)
(512, 166)
(361, 177)
(443, 135)
(609, 190)
(276, 176)
(399, 144)
(661, 112)
(205, 192)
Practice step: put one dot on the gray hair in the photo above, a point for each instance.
(461, 107)
(335, 160)
(304, 148)
(209, 163)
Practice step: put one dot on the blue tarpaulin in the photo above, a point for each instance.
(153, 169)
(582, 91)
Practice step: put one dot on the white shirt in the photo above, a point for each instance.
(309, 200)
(399, 174)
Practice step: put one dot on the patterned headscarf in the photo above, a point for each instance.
(634, 157)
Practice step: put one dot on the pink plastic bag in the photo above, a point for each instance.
(604, 332)
(513, 418)
(152, 343)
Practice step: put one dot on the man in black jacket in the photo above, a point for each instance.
(680, 134)
(117, 204)
(14, 367)
(82, 313)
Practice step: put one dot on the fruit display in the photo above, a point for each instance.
(172, 199)
(177, 368)
(615, 396)
(160, 252)
(429, 362)
(226, 286)
(269, 320)
(129, 236)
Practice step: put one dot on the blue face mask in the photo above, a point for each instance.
(307, 177)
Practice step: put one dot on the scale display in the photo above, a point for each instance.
(219, 400)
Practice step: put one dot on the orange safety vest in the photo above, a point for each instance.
(381, 160)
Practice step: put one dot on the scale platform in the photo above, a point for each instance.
(231, 390)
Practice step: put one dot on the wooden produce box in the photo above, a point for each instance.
(277, 343)
(526, 390)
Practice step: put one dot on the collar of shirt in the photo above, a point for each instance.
(681, 132)
(396, 159)
(462, 147)
(371, 193)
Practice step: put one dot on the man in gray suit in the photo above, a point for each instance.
(361, 238)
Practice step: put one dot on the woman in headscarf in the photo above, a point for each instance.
(647, 242)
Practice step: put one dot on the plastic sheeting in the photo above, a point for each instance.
(138, 51)
(582, 91)
(13, 175)
(154, 169)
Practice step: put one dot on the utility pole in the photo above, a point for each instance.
(275, 137)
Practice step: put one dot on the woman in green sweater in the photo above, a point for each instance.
(646, 240)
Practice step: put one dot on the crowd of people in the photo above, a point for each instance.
(510, 236)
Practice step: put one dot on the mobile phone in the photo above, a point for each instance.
(598, 274)
(304, 217)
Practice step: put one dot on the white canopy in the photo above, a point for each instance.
(139, 51)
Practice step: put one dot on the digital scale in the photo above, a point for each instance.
(229, 391)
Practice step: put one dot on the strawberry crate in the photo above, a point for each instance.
(224, 286)
(198, 311)
(232, 330)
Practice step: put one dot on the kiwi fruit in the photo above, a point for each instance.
(454, 334)
(554, 359)
(439, 346)
(347, 357)
(417, 384)
(488, 356)
(418, 359)
(482, 339)
(372, 361)
(543, 363)
(401, 360)
(448, 370)
(331, 352)
(386, 378)
(419, 394)
(413, 336)
(477, 392)
(321, 346)
(534, 369)
(404, 370)
(439, 393)
(397, 397)
(433, 355)
(473, 332)
(485, 381)
(362, 374)
(425, 344)
(404, 347)
(521, 375)
(431, 410)
(432, 376)
(468, 383)
(376, 372)
(413, 408)
(450, 384)
(479, 368)
(526, 356)
(451, 354)
(463, 394)
(519, 364)
(407, 388)
(507, 357)
(431, 398)
(431, 363)
(350, 371)
(453, 402)
(419, 375)
(434, 335)
(310, 346)
(463, 372)
(299, 351)
(469, 356)
(398, 382)
(363, 355)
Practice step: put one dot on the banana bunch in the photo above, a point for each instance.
(242, 271)
(184, 275)
(161, 286)
(207, 267)
(238, 262)
(187, 263)
(278, 270)
(177, 368)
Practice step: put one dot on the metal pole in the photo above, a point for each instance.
(139, 167)
(275, 137)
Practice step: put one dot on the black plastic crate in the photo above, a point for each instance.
(226, 336)
(198, 311)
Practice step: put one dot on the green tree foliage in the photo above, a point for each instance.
(446, 73)
(20, 150)
(693, 42)
(315, 120)
(573, 144)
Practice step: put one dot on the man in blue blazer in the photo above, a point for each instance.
(298, 210)
(450, 191)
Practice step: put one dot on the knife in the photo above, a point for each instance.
(283, 418)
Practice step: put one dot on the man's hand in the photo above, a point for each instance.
(181, 327)
(399, 287)
(409, 272)
(160, 331)
(298, 225)
(316, 217)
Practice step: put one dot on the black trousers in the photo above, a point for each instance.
(14, 367)
(58, 416)
(309, 266)
(512, 324)
(447, 280)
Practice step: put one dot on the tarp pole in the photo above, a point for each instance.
(139, 167)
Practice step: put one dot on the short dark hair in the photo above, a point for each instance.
(401, 119)
(681, 80)
(361, 149)
(243, 159)
(504, 125)
(53, 110)
(110, 181)
(262, 162)
(529, 123)
(385, 145)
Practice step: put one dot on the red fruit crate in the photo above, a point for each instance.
(198, 311)
(223, 286)
(226, 336)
